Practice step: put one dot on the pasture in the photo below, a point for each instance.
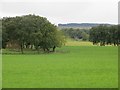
(69, 67)
(72, 42)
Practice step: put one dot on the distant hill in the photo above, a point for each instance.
(80, 25)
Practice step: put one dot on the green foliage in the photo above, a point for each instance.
(0, 33)
(31, 30)
(105, 35)
(76, 33)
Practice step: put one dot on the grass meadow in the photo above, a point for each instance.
(71, 42)
(69, 67)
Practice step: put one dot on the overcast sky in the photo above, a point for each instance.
(64, 11)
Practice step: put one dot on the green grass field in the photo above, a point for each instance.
(72, 42)
(69, 67)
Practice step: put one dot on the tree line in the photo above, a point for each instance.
(77, 34)
(105, 35)
(102, 34)
(36, 32)
(31, 30)
(0, 33)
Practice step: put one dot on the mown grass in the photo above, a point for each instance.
(69, 67)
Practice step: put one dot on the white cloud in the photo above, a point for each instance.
(65, 11)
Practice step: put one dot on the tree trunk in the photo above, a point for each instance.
(114, 44)
(48, 49)
(54, 49)
(37, 49)
(21, 47)
(44, 49)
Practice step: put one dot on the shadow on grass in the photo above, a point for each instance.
(31, 52)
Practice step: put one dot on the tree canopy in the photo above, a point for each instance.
(76, 34)
(105, 35)
(31, 30)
